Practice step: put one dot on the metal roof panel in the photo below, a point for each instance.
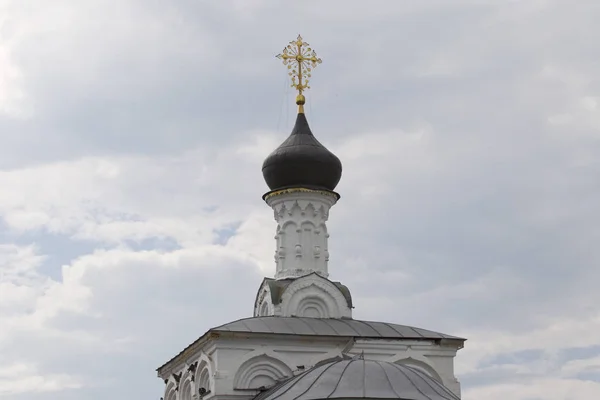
(330, 327)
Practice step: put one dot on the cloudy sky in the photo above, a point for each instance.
(131, 221)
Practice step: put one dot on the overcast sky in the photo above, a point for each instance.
(132, 138)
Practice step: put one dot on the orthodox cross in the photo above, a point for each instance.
(300, 60)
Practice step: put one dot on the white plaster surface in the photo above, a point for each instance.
(310, 296)
(245, 362)
(301, 235)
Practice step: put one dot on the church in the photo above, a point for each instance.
(302, 342)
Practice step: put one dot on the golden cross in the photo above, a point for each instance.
(300, 60)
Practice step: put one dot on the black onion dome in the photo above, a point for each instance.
(301, 161)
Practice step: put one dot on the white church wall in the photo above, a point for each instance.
(444, 362)
(255, 361)
(239, 364)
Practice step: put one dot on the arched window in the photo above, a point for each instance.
(185, 392)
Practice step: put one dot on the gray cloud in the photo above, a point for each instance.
(133, 136)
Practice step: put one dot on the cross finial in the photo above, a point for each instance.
(300, 60)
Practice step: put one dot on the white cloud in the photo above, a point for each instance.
(574, 367)
(540, 389)
(130, 197)
(22, 378)
(12, 97)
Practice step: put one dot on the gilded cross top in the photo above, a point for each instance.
(300, 60)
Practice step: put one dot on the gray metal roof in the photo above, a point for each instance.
(359, 379)
(319, 327)
(329, 327)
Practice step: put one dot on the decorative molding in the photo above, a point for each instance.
(276, 193)
(192, 370)
(263, 299)
(170, 391)
(204, 376)
(419, 362)
(177, 378)
(205, 343)
(264, 308)
(317, 294)
(262, 295)
(248, 360)
(301, 235)
(186, 377)
(325, 300)
(313, 307)
(260, 369)
(186, 391)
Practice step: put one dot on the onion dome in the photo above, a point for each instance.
(302, 162)
(357, 378)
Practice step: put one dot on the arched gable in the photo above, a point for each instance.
(186, 378)
(264, 309)
(186, 390)
(419, 362)
(204, 377)
(170, 392)
(314, 296)
(260, 370)
(263, 304)
(311, 295)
